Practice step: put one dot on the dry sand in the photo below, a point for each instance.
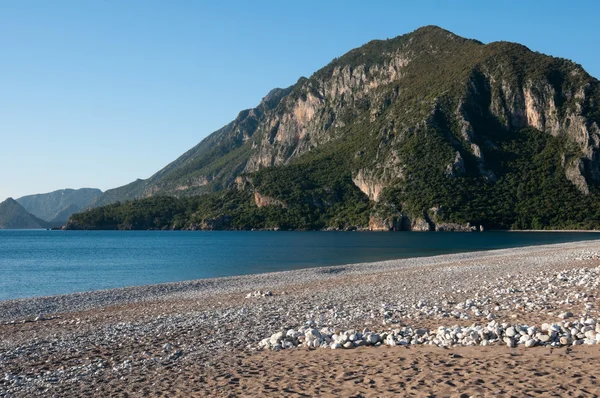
(416, 371)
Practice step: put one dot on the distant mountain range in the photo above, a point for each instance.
(57, 206)
(14, 216)
(45, 210)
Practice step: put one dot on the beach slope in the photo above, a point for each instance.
(202, 338)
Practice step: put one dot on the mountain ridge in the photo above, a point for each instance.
(57, 206)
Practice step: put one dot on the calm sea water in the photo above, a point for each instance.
(40, 263)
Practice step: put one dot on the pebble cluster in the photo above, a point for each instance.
(259, 293)
(588, 255)
(508, 293)
(39, 318)
(577, 332)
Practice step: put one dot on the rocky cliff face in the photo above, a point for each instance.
(558, 103)
(318, 107)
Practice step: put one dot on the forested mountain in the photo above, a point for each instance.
(424, 131)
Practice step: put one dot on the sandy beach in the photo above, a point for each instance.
(203, 338)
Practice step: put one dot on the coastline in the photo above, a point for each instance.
(201, 338)
(169, 264)
(554, 230)
(79, 301)
(323, 230)
(353, 229)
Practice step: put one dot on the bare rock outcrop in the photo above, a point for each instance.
(420, 224)
(457, 167)
(264, 200)
(368, 184)
(574, 170)
(390, 223)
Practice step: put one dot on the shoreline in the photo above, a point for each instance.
(554, 230)
(299, 230)
(202, 338)
(30, 306)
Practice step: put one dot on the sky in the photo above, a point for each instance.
(99, 93)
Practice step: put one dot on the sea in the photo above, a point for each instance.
(40, 263)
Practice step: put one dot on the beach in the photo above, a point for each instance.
(206, 337)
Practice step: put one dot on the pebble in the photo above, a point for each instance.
(565, 315)
(530, 343)
(544, 338)
(259, 293)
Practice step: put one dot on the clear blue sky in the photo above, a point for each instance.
(99, 93)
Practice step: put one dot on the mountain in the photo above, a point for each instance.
(425, 131)
(14, 216)
(62, 216)
(57, 206)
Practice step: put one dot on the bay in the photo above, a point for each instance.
(39, 263)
